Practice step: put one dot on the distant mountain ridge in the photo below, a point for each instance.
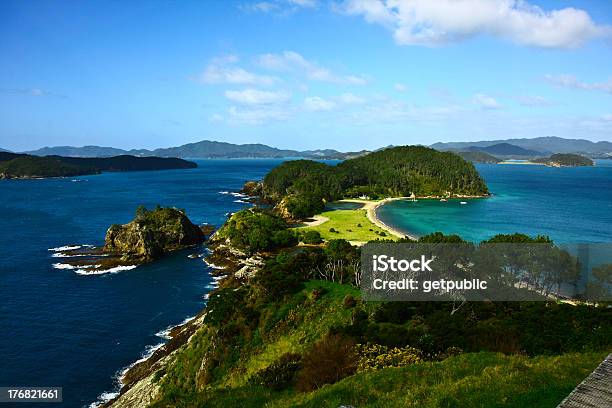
(202, 149)
(536, 147)
(544, 145)
(505, 149)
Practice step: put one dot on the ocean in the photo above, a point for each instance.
(571, 205)
(79, 332)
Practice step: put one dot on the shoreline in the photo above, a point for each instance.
(372, 206)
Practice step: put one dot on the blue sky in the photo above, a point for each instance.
(302, 74)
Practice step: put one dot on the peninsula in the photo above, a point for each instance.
(24, 166)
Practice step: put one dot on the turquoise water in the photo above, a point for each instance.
(571, 205)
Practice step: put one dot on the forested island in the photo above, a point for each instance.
(301, 187)
(565, 160)
(15, 165)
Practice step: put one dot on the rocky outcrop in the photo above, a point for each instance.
(152, 234)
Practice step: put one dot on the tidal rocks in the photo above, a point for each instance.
(152, 234)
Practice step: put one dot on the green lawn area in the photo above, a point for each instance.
(346, 223)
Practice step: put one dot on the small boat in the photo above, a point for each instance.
(463, 202)
(443, 200)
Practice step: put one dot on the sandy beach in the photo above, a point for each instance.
(371, 207)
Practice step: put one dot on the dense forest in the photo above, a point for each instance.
(13, 165)
(392, 172)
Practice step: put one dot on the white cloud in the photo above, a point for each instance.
(570, 81)
(486, 101)
(29, 92)
(351, 99)
(293, 61)
(533, 100)
(256, 97)
(279, 6)
(400, 87)
(222, 70)
(318, 104)
(257, 116)
(432, 23)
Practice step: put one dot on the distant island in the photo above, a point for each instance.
(565, 160)
(14, 165)
(556, 160)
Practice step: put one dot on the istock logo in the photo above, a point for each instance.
(384, 263)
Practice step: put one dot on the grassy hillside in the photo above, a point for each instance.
(218, 367)
(468, 380)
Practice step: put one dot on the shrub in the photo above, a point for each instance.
(332, 230)
(376, 356)
(349, 302)
(312, 237)
(359, 225)
(280, 374)
(328, 361)
(284, 238)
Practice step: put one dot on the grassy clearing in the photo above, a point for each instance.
(346, 223)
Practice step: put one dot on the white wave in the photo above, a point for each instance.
(165, 333)
(62, 255)
(224, 192)
(116, 269)
(218, 278)
(206, 296)
(64, 266)
(103, 399)
(213, 266)
(239, 195)
(65, 248)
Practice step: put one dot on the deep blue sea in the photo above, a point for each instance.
(571, 205)
(63, 329)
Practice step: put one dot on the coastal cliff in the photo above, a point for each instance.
(152, 234)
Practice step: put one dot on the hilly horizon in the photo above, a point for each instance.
(541, 146)
(544, 145)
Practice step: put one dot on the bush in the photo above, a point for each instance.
(284, 238)
(280, 374)
(376, 356)
(312, 237)
(332, 230)
(330, 360)
(349, 302)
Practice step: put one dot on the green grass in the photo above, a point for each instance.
(345, 220)
(468, 380)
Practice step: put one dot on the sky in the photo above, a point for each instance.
(302, 74)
